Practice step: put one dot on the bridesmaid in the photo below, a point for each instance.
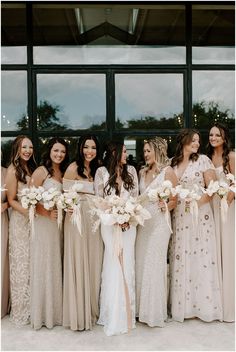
(46, 245)
(117, 301)
(218, 150)
(153, 238)
(18, 177)
(83, 253)
(4, 247)
(194, 286)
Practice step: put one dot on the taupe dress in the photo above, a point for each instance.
(225, 240)
(83, 256)
(46, 269)
(4, 251)
(19, 256)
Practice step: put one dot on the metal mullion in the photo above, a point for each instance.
(188, 80)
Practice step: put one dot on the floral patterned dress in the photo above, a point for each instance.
(194, 280)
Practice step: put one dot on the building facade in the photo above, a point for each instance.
(121, 70)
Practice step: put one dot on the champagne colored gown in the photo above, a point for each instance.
(225, 239)
(115, 300)
(19, 257)
(4, 250)
(46, 268)
(194, 279)
(83, 256)
(151, 261)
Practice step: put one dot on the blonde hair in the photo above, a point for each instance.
(159, 146)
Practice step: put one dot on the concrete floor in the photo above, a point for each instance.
(192, 335)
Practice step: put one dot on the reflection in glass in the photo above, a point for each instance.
(13, 24)
(6, 144)
(71, 101)
(14, 115)
(98, 54)
(149, 101)
(213, 98)
(13, 55)
(134, 146)
(213, 55)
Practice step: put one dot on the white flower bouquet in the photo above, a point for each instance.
(121, 213)
(162, 193)
(222, 188)
(70, 200)
(29, 197)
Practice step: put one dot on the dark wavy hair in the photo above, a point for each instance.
(184, 138)
(113, 153)
(224, 132)
(20, 167)
(47, 161)
(95, 163)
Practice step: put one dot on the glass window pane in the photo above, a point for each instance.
(14, 101)
(149, 101)
(71, 101)
(6, 144)
(213, 98)
(213, 33)
(102, 34)
(13, 55)
(134, 147)
(13, 24)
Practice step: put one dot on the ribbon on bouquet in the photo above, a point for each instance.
(31, 220)
(167, 217)
(193, 209)
(59, 217)
(118, 251)
(223, 209)
(76, 217)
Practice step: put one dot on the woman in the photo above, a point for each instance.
(194, 286)
(4, 247)
(83, 252)
(46, 244)
(18, 177)
(117, 301)
(218, 150)
(153, 238)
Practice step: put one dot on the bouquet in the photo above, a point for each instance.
(70, 200)
(118, 212)
(49, 199)
(190, 196)
(162, 193)
(222, 188)
(29, 197)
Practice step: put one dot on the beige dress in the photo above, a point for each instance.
(225, 239)
(151, 261)
(4, 251)
(83, 256)
(46, 269)
(19, 256)
(194, 284)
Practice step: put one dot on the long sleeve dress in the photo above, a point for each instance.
(225, 239)
(83, 256)
(151, 261)
(194, 284)
(117, 298)
(46, 269)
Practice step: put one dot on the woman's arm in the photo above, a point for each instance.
(12, 190)
(231, 194)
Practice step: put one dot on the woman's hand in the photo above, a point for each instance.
(124, 226)
(162, 205)
(53, 214)
(4, 206)
(70, 211)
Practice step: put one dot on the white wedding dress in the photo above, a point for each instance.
(117, 299)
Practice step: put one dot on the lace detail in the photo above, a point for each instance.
(151, 262)
(19, 255)
(113, 313)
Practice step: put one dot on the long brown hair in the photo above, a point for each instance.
(224, 132)
(113, 153)
(47, 161)
(20, 167)
(184, 138)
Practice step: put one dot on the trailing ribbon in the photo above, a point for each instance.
(31, 220)
(117, 239)
(59, 217)
(167, 217)
(194, 211)
(76, 217)
(223, 209)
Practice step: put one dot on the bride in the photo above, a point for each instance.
(117, 300)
